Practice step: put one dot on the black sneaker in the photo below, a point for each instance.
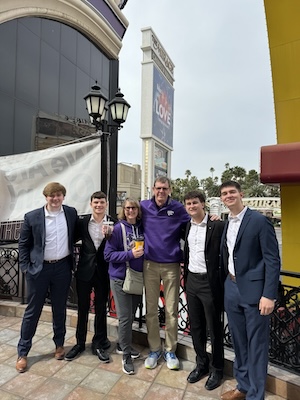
(102, 355)
(134, 353)
(127, 365)
(74, 352)
(105, 345)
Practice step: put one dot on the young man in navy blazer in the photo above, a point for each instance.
(251, 262)
(46, 258)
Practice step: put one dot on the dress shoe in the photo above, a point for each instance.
(59, 353)
(197, 374)
(21, 365)
(214, 380)
(74, 352)
(234, 394)
(102, 355)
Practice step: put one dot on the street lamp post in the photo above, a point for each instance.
(98, 107)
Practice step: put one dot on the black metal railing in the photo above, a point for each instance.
(285, 319)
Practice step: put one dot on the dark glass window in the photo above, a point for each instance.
(46, 69)
(67, 89)
(24, 126)
(83, 55)
(68, 43)
(7, 121)
(8, 40)
(33, 24)
(28, 65)
(51, 33)
(49, 81)
(83, 81)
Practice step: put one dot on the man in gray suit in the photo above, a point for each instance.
(46, 259)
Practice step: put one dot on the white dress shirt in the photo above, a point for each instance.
(196, 241)
(232, 232)
(56, 238)
(95, 231)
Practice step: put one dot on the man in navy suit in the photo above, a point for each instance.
(45, 257)
(251, 262)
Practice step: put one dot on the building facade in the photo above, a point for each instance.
(129, 182)
(52, 53)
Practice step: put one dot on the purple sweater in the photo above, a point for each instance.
(163, 229)
(115, 254)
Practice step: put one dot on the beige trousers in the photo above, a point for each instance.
(169, 274)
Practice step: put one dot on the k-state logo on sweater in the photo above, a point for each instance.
(170, 212)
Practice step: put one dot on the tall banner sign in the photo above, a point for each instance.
(157, 110)
(163, 100)
(24, 176)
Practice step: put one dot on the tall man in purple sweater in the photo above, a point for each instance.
(164, 221)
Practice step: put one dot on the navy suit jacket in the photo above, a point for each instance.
(32, 238)
(256, 258)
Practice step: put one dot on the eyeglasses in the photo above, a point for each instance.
(130, 208)
(161, 188)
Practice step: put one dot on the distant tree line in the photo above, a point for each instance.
(249, 181)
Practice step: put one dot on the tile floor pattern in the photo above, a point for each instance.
(85, 378)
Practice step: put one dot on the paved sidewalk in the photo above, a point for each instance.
(85, 378)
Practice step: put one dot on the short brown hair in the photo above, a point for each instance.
(134, 202)
(98, 195)
(231, 184)
(163, 179)
(54, 187)
(195, 194)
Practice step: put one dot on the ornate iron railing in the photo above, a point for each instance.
(285, 319)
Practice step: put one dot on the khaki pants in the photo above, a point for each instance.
(169, 273)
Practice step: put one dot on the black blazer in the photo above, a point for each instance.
(212, 257)
(90, 259)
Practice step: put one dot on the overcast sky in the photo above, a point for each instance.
(223, 102)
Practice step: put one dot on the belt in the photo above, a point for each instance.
(232, 277)
(54, 261)
(198, 275)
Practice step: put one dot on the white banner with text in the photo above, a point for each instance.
(24, 176)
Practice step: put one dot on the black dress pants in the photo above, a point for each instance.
(205, 315)
(101, 291)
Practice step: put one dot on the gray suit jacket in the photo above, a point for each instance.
(32, 239)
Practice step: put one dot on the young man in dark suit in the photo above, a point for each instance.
(204, 289)
(251, 263)
(92, 273)
(46, 258)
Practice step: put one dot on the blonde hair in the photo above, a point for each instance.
(132, 202)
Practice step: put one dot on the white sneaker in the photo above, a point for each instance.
(172, 360)
(151, 360)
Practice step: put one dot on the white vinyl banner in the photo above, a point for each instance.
(24, 176)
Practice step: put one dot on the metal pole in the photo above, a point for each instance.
(104, 163)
